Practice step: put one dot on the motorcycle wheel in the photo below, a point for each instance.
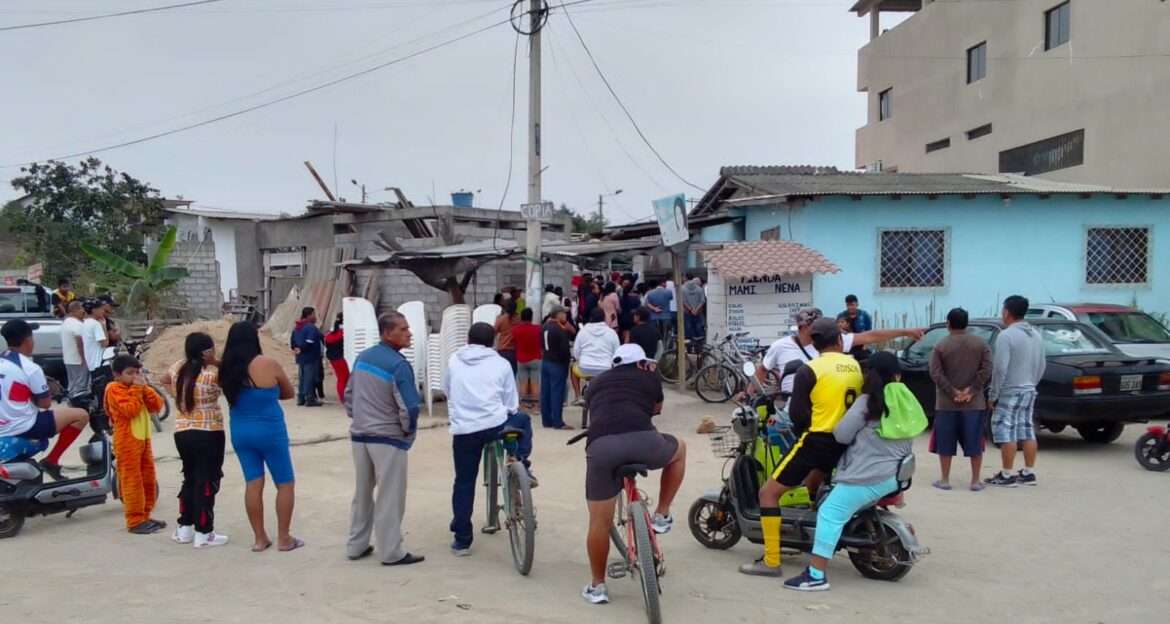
(1153, 452)
(11, 522)
(886, 562)
(713, 525)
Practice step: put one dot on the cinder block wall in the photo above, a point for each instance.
(201, 289)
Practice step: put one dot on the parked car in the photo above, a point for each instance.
(31, 302)
(1133, 331)
(1089, 385)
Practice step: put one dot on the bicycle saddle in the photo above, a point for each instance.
(630, 470)
(511, 430)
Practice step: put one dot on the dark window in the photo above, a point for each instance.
(913, 259)
(1058, 152)
(1117, 255)
(981, 131)
(977, 63)
(1056, 26)
(770, 234)
(937, 145)
(885, 104)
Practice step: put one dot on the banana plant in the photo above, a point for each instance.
(148, 283)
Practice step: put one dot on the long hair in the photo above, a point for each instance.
(243, 345)
(197, 343)
(883, 369)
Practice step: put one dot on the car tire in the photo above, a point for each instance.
(1101, 433)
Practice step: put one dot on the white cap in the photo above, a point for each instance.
(629, 354)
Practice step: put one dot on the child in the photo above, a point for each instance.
(129, 403)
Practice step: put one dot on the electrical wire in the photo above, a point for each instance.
(625, 110)
(74, 20)
(511, 142)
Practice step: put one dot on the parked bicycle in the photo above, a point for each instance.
(635, 541)
(138, 349)
(500, 460)
(722, 378)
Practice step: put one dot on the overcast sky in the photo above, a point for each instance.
(711, 82)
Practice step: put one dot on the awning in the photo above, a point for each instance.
(764, 258)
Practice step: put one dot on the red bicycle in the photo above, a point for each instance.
(634, 539)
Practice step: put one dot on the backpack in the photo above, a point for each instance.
(904, 417)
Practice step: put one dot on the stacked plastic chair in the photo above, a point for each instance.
(486, 313)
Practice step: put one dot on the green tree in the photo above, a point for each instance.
(593, 224)
(145, 286)
(67, 205)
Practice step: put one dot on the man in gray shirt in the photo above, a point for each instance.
(1017, 368)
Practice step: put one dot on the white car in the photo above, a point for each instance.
(1134, 332)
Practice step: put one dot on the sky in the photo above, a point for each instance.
(711, 83)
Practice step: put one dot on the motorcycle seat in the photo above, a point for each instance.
(13, 449)
(632, 470)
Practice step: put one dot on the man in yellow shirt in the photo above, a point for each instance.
(822, 392)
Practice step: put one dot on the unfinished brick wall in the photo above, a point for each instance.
(201, 289)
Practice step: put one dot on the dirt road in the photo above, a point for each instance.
(1089, 544)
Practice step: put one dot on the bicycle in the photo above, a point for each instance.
(639, 549)
(500, 458)
(668, 359)
(719, 380)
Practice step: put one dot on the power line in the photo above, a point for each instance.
(625, 110)
(511, 142)
(91, 18)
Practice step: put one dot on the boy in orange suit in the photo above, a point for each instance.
(129, 402)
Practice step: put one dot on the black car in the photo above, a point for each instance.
(1089, 384)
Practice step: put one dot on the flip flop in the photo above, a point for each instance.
(978, 487)
(365, 553)
(297, 543)
(262, 548)
(942, 486)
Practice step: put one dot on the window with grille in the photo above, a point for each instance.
(1117, 255)
(770, 234)
(913, 259)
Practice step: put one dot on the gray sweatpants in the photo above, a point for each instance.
(78, 376)
(383, 467)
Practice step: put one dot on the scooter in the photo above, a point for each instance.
(24, 491)
(1153, 449)
(881, 545)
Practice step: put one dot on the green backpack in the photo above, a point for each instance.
(904, 417)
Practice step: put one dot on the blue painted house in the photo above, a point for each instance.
(912, 246)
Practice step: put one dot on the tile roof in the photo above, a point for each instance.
(755, 258)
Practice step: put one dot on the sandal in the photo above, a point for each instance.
(297, 543)
(260, 549)
(977, 487)
(942, 486)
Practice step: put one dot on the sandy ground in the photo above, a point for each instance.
(1087, 545)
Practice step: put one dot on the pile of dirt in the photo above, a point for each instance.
(168, 347)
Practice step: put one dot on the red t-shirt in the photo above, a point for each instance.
(527, 339)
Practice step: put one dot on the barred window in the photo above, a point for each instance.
(770, 234)
(913, 259)
(1117, 255)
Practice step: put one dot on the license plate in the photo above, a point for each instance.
(1131, 383)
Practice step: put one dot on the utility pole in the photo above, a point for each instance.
(532, 273)
(601, 205)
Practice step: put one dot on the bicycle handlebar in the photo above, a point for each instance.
(577, 438)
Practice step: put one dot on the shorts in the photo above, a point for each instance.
(44, 427)
(608, 453)
(528, 372)
(1012, 419)
(586, 373)
(955, 427)
(813, 451)
(77, 379)
(260, 443)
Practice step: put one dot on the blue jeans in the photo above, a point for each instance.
(553, 385)
(467, 450)
(694, 326)
(845, 500)
(308, 373)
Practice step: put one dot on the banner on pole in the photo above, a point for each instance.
(671, 214)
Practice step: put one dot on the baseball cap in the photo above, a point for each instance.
(806, 316)
(629, 354)
(825, 328)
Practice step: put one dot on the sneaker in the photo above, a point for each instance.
(144, 528)
(1002, 480)
(52, 469)
(595, 594)
(459, 550)
(662, 524)
(759, 568)
(806, 583)
(533, 483)
(184, 534)
(207, 540)
(1026, 479)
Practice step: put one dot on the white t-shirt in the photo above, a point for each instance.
(92, 335)
(22, 384)
(71, 329)
(787, 349)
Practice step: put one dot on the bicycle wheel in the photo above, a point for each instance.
(647, 568)
(491, 482)
(668, 365)
(165, 413)
(521, 517)
(716, 383)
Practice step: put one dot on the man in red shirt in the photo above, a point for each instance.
(526, 337)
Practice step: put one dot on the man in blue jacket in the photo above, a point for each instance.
(306, 342)
(382, 402)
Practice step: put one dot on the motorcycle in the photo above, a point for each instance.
(881, 545)
(24, 491)
(1153, 449)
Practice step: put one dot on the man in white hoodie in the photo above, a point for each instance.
(481, 402)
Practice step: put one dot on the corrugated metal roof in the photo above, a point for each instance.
(756, 258)
(506, 249)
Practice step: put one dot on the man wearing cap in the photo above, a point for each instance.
(25, 401)
(801, 348)
(822, 392)
(621, 402)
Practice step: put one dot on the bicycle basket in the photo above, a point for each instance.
(724, 442)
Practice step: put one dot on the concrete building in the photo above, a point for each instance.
(1072, 91)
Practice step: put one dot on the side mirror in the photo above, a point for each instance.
(749, 369)
(900, 354)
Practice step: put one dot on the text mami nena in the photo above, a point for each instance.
(763, 284)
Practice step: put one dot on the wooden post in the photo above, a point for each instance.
(680, 318)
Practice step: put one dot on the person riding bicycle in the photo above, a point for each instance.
(822, 391)
(481, 403)
(622, 401)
